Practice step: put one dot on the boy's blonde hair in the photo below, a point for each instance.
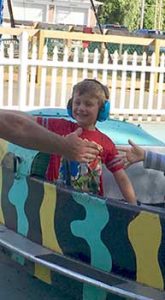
(92, 87)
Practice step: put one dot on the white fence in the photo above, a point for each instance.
(136, 85)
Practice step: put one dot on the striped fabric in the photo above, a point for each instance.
(154, 161)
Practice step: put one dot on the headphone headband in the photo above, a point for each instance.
(104, 88)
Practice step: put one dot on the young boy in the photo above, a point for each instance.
(88, 103)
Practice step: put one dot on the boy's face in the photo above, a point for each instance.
(85, 110)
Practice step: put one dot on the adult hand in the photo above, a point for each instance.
(79, 149)
(131, 155)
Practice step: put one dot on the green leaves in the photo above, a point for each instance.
(128, 13)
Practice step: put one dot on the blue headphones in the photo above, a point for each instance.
(103, 111)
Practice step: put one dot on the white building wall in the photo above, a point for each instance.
(69, 15)
(28, 11)
(77, 12)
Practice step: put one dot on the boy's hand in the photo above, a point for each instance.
(79, 149)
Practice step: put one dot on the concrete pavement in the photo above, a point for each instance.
(15, 284)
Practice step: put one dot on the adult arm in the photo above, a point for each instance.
(19, 128)
(153, 160)
(133, 154)
(129, 155)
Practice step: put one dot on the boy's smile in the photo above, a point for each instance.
(85, 110)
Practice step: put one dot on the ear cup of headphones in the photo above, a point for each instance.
(69, 108)
(104, 111)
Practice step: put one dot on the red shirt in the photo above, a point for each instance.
(64, 127)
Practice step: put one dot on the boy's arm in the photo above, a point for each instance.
(125, 186)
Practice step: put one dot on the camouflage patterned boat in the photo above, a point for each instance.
(97, 248)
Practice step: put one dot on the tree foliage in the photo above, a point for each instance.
(129, 13)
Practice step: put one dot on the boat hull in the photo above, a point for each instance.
(106, 234)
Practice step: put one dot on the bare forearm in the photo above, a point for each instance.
(125, 186)
(128, 192)
(18, 113)
(21, 130)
